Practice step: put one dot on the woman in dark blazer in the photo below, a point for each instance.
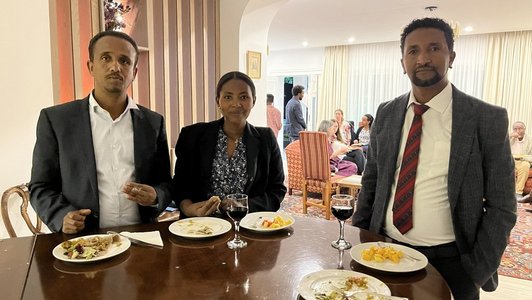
(228, 156)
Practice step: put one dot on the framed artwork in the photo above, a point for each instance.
(253, 64)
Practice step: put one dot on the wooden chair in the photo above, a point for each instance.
(295, 169)
(316, 169)
(23, 191)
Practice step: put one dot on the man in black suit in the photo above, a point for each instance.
(462, 194)
(103, 160)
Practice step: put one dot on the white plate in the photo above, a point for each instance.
(113, 250)
(404, 265)
(250, 220)
(191, 227)
(327, 281)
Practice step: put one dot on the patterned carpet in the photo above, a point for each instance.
(516, 261)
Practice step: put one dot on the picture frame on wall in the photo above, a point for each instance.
(254, 64)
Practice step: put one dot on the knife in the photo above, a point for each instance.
(135, 241)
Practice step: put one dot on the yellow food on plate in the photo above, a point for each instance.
(277, 222)
(381, 254)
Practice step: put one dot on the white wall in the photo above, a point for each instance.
(296, 62)
(25, 85)
(244, 26)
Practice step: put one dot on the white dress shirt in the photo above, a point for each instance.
(431, 210)
(115, 163)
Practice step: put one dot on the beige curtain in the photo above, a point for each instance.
(508, 81)
(334, 84)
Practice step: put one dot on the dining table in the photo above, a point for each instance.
(271, 266)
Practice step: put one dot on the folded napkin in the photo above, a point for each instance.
(151, 237)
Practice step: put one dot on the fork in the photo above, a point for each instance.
(405, 255)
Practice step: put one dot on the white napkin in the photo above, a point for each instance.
(151, 237)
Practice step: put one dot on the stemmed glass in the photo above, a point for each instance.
(342, 208)
(237, 208)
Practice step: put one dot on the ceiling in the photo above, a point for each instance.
(332, 22)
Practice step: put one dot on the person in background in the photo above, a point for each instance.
(273, 115)
(228, 156)
(450, 195)
(103, 160)
(344, 127)
(351, 153)
(294, 114)
(521, 145)
(337, 163)
(362, 135)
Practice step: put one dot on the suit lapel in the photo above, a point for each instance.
(86, 146)
(143, 142)
(462, 138)
(252, 143)
(392, 132)
(207, 144)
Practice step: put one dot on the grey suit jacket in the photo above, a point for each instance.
(294, 117)
(480, 182)
(63, 175)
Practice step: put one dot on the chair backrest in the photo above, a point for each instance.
(315, 155)
(294, 164)
(23, 191)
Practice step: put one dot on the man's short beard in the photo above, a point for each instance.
(426, 82)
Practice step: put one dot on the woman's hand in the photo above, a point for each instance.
(200, 209)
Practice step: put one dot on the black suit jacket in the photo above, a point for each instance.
(195, 151)
(63, 175)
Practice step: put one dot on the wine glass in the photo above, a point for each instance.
(342, 209)
(237, 208)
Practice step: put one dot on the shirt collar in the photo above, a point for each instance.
(439, 102)
(94, 104)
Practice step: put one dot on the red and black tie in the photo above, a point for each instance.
(404, 193)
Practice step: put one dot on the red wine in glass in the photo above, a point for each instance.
(238, 213)
(342, 212)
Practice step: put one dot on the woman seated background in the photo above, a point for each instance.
(228, 156)
(352, 153)
(344, 127)
(338, 165)
(362, 134)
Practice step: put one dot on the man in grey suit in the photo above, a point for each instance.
(103, 160)
(463, 206)
(294, 113)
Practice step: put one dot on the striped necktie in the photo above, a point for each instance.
(404, 193)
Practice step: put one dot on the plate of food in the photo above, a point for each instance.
(91, 248)
(388, 257)
(200, 227)
(266, 221)
(340, 284)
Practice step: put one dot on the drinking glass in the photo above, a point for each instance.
(342, 208)
(237, 208)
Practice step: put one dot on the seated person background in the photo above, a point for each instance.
(521, 145)
(86, 150)
(344, 127)
(228, 156)
(338, 165)
(363, 132)
(353, 153)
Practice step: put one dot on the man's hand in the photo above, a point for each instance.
(143, 194)
(74, 221)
